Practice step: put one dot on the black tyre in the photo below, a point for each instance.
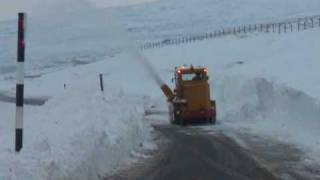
(213, 120)
(182, 122)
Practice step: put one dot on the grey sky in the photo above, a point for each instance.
(10, 8)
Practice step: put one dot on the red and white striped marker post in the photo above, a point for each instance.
(20, 82)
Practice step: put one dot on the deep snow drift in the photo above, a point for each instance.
(80, 132)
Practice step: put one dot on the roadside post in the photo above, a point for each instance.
(101, 82)
(20, 82)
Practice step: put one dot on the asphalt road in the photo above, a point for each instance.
(194, 155)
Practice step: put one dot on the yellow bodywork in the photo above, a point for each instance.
(190, 99)
(196, 94)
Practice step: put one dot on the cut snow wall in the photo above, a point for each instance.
(80, 135)
(268, 107)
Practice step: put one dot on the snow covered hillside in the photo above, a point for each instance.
(164, 19)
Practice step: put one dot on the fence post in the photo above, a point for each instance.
(273, 29)
(261, 27)
(305, 25)
(319, 21)
(267, 28)
(312, 25)
(20, 83)
(298, 25)
(291, 27)
(101, 82)
(285, 27)
(279, 28)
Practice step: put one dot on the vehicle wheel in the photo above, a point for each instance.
(176, 119)
(212, 120)
(182, 122)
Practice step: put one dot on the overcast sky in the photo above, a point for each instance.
(9, 8)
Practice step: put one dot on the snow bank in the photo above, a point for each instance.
(80, 133)
(269, 108)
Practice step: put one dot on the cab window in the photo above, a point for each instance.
(192, 77)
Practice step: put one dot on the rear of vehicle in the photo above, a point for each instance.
(192, 102)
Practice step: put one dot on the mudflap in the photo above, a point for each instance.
(171, 113)
(213, 118)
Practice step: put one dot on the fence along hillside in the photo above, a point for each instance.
(281, 27)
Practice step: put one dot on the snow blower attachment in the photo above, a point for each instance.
(190, 102)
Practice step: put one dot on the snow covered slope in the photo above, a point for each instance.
(170, 18)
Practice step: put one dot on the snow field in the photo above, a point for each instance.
(165, 19)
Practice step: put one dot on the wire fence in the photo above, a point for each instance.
(287, 26)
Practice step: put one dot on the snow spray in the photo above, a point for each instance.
(146, 65)
(105, 34)
(127, 45)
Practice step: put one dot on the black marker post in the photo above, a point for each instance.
(20, 82)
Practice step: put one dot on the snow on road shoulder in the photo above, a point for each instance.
(80, 133)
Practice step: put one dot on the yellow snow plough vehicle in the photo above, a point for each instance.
(190, 101)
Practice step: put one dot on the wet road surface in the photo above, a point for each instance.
(194, 155)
